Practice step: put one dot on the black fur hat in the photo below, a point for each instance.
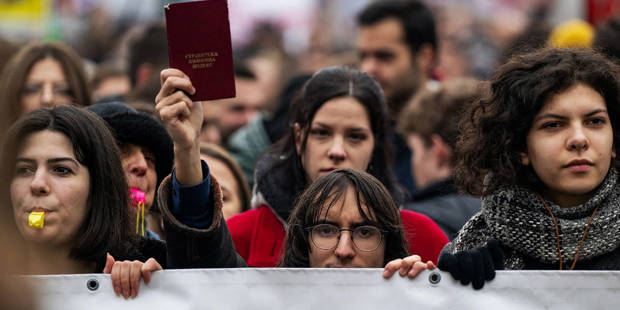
(131, 126)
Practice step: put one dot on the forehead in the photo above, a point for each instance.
(579, 98)
(345, 211)
(46, 69)
(343, 111)
(46, 143)
(385, 34)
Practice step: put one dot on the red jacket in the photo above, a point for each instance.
(259, 236)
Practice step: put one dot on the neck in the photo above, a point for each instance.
(42, 259)
(566, 201)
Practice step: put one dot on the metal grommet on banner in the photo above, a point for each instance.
(434, 278)
(92, 284)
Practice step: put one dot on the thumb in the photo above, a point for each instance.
(150, 265)
(109, 262)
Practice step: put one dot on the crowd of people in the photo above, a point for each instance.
(380, 164)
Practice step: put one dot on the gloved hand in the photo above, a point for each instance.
(475, 266)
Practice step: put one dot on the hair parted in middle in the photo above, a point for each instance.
(323, 194)
(107, 225)
(326, 84)
(493, 130)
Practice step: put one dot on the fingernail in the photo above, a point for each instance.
(117, 291)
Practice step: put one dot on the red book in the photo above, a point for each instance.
(199, 45)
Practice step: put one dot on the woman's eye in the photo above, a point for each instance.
(358, 137)
(61, 170)
(31, 89)
(551, 125)
(23, 170)
(596, 121)
(225, 198)
(319, 132)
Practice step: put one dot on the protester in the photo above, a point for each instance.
(64, 162)
(235, 190)
(110, 83)
(146, 152)
(339, 121)
(540, 149)
(353, 201)
(429, 124)
(41, 75)
(397, 45)
(247, 144)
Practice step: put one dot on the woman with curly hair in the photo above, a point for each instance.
(539, 148)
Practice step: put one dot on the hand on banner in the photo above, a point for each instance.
(409, 266)
(126, 275)
(475, 266)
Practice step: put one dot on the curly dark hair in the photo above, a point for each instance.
(325, 192)
(494, 129)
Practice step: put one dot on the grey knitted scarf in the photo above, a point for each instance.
(518, 219)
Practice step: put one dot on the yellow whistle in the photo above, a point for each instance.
(35, 219)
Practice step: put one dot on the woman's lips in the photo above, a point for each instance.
(579, 165)
(38, 209)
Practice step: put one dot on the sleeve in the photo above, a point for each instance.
(188, 202)
(210, 246)
(425, 238)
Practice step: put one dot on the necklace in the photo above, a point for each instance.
(557, 233)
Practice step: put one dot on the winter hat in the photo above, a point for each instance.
(131, 126)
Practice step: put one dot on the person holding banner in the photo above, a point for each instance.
(356, 202)
(540, 147)
(62, 175)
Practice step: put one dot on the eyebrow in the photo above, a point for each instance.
(552, 115)
(49, 161)
(348, 128)
(354, 225)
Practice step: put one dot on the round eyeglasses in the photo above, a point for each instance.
(365, 238)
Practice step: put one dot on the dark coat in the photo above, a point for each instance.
(443, 204)
(186, 247)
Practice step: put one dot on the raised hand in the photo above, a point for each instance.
(183, 120)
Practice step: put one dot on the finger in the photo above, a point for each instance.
(173, 84)
(447, 262)
(168, 72)
(150, 265)
(391, 268)
(109, 262)
(464, 268)
(407, 264)
(125, 281)
(134, 277)
(487, 264)
(179, 110)
(477, 280)
(416, 268)
(115, 275)
(430, 265)
(497, 254)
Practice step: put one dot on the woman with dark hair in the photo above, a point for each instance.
(540, 149)
(42, 74)
(340, 122)
(62, 175)
(235, 190)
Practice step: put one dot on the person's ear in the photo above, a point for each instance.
(143, 74)
(613, 152)
(297, 133)
(424, 58)
(442, 151)
(525, 159)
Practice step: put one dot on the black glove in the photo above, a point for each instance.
(475, 266)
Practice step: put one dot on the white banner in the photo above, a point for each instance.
(283, 288)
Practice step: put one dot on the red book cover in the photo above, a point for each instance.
(199, 45)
